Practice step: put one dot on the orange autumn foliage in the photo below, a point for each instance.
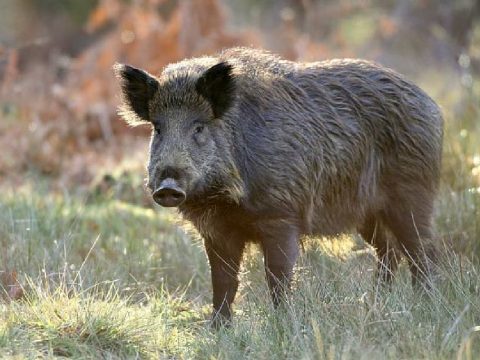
(60, 127)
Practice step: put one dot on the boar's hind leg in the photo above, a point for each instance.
(224, 258)
(373, 232)
(411, 225)
(280, 247)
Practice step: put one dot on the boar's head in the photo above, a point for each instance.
(189, 153)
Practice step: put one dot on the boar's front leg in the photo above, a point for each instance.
(224, 258)
(280, 250)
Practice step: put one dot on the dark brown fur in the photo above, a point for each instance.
(288, 149)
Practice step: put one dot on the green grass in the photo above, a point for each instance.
(105, 278)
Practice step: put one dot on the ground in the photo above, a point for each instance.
(103, 273)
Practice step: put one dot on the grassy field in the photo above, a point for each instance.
(101, 273)
(107, 278)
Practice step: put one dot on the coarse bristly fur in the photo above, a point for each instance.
(269, 150)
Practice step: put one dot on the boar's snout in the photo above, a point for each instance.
(169, 194)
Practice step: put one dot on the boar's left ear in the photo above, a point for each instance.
(217, 85)
(138, 88)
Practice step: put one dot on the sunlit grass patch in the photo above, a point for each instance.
(138, 247)
(458, 220)
(339, 247)
(113, 279)
(95, 323)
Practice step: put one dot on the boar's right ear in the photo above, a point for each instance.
(138, 88)
(217, 85)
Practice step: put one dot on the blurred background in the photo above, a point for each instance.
(58, 95)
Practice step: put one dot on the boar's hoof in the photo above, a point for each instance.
(219, 321)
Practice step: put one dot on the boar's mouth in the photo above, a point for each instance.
(169, 194)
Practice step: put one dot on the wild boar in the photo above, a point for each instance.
(254, 148)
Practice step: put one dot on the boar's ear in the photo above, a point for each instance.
(138, 88)
(217, 85)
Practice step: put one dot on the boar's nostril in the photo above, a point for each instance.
(169, 194)
(169, 197)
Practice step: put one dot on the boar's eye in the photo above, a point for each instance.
(199, 134)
